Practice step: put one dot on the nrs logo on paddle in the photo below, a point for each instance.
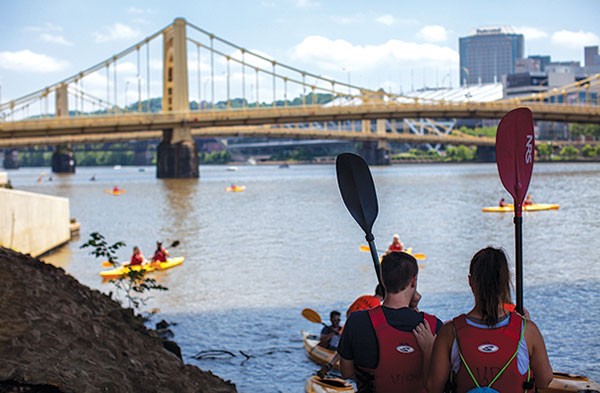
(529, 151)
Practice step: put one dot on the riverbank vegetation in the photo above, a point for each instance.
(144, 153)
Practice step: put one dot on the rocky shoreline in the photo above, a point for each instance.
(57, 335)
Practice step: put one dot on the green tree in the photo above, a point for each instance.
(589, 151)
(460, 153)
(590, 130)
(544, 150)
(134, 282)
(569, 152)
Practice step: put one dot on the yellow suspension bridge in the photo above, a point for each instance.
(112, 101)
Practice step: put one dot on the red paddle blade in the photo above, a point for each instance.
(515, 144)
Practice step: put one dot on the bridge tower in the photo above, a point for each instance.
(63, 160)
(375, 153)
(177, 155)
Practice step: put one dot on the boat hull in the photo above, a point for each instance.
(317, 384)
(317, 353)
(527, 208)
(122, 270)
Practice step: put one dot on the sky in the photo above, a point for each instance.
(396, 45)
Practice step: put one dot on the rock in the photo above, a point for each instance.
(57, 335)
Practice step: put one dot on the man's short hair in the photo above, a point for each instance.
(397, 269)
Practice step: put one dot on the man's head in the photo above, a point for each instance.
(398, 269)
(335, 317)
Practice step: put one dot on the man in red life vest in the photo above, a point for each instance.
(160, 255)
(387, 348)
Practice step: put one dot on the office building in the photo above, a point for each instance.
(592, 58)
(489, 54)
(543, 61)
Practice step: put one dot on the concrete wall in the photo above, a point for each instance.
(33, 223)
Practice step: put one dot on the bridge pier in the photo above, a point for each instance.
(486, 153)
(375, 153)
(11, 159)
(177, 157)
(63, 160)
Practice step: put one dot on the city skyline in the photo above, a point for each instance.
(398, 47)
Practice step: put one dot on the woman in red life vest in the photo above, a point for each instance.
(137, 258)
(396, 244)
(160, 255)
(489, 346)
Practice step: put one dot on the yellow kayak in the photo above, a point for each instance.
(317, 353)
(115, 192)
(317, 384)
(527, 208)
(235, 188)
(152, 266)
(562, 382)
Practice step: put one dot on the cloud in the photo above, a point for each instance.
(332, 55)
(45, 28)
(531, 33)
(136, 11)
(50, 33)
(345, 20)
(118, 31)
(387, 20)
(433, 33)
(574, 39)
(307, 3)
(55, 39)
(28, 61)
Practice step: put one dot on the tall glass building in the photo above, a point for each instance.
(489, 54)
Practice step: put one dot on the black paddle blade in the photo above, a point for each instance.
(357, 189)
(174, 244)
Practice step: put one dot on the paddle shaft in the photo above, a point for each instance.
(371, 240)
(519, 259)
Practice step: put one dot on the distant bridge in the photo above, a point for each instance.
(71, 111)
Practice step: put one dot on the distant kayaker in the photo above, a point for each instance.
(160, 255)
(502, 202)
(528, 201)
(514, 349)
(116, 189)
(137, 258)
(330, 335)
(369, 347)
(396, 244)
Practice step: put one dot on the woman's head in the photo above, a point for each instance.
(490, 282)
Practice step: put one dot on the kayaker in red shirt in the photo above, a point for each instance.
(396, 244)
(502, 202)
(137, 258)
(528, 201)
(367, 302)
(160, 255)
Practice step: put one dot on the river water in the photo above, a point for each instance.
(254, 260)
